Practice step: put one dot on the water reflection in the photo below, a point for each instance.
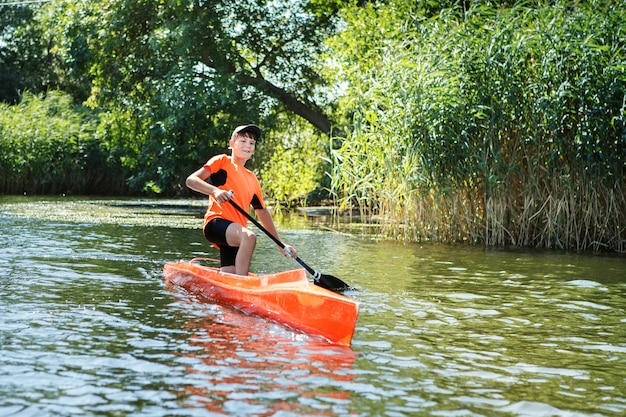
(245, 365)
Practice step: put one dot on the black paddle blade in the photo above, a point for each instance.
(332, 283)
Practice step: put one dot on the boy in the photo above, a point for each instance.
(224, 226)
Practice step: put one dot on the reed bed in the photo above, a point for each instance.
(50, 146)
(495, 126)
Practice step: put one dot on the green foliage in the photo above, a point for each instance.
(191, 71)
(171, 79)
(293, 163)
(486, 121)
(48, 145)
(25, 63)
(471, 124)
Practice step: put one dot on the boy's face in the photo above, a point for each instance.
(243, 146)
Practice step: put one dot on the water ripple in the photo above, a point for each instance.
(89, 328)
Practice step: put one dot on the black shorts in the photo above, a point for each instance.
(215, 232)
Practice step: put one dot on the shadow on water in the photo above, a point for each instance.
(90, 328)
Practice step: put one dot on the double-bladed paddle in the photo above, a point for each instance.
(326, 281)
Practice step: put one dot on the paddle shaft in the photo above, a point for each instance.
(310, 270)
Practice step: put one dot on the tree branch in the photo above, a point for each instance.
(302, 109)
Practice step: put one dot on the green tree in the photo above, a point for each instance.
(188, 71)
(24, 53)
(170, 79)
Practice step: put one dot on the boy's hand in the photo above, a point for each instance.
(289, 251)
(222, 195)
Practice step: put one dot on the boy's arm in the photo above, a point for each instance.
(266, 220)
(197, 182)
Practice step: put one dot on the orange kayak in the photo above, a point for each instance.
(285, 297)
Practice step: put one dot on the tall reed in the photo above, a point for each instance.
(49, 146)
(501, 126)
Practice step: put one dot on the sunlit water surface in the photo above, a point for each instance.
(89, 328)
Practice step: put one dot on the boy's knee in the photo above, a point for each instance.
(250, 238)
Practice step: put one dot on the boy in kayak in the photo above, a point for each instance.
(224, 226)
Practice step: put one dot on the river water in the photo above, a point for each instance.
(89, 328)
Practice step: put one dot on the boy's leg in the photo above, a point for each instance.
(239, 236)
(228, 254)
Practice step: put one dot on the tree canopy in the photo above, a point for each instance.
(172, 77)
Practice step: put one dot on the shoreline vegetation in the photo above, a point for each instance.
(501, 127)
(486, 124)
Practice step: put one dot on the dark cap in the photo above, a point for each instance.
(254, 129)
